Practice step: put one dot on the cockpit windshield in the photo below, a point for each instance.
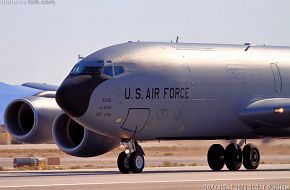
(86, 70)
(106, 71)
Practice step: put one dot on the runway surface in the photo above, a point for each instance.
(196, 177)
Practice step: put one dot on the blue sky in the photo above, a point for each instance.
(40, 43)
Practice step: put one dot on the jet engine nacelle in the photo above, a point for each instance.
(75, 140)
(30, 119)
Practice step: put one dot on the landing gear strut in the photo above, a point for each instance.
(132, 159)
(233, 156)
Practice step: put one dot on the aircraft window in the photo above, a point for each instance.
(75, 70)
(86, 70)
(108, 70)
(91, 70)
(118, 70)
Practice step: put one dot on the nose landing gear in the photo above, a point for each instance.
(233, 156)
(132, 159)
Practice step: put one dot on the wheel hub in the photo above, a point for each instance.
(254, 156)
(126, 162)
(237, 156)
(139, 162)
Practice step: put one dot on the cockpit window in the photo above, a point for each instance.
(100, 61)
(118, 70)
(86, 70)
(108, 70)
(105, 71)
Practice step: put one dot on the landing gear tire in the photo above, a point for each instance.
(215, 157)
(123, 163)
(233, 157)
(251, 157)
(136, 162)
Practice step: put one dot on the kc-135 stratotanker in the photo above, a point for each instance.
(144, 91)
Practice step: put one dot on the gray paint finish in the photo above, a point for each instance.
(193, 91)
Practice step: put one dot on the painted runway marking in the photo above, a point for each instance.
(137, 182)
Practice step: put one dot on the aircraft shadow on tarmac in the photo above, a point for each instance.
(222, 171)
(96, 173)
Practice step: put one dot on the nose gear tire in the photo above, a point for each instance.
(123, 163)
(136, 162)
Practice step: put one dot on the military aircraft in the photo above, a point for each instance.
(144, 91)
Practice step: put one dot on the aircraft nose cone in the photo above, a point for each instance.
(73, 95)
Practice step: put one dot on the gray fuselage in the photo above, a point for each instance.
(185, 91)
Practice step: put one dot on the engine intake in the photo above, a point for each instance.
(75, 140)
(29, 120)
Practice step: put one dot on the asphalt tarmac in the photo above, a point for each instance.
(267, 177)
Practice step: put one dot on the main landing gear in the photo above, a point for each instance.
(132, 159)
(233, 156)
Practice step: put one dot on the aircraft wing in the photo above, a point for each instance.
(274, 112)
(12, 92)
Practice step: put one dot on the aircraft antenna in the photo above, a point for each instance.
(177, 39)
(248, 44)
(80, 57)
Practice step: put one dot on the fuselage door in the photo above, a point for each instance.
(136, 119)
(277, 77)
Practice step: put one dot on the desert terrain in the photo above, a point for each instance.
(157, 154)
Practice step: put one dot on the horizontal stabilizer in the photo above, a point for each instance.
(41, 86)
(273, 112)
